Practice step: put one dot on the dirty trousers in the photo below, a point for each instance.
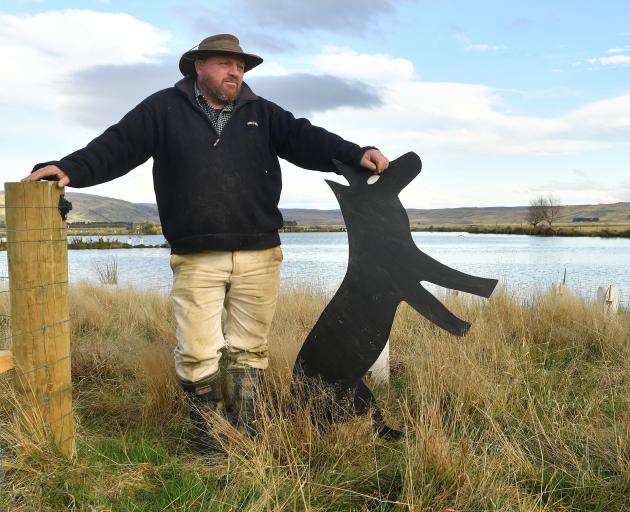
(240, 286)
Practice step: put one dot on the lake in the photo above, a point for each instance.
(521, 263)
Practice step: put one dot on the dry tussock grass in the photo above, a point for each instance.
(528, 412)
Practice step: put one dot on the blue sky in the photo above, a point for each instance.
(502, 100)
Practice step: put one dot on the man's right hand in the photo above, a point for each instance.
(45, 172)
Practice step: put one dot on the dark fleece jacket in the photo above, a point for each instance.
(213, 193)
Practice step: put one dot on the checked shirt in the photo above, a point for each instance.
(218, 116)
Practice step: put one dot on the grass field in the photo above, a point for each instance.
(615, 230)
(529, 412)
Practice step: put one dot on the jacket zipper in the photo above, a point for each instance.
(218, 139)
(201, 111)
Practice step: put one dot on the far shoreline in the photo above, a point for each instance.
(587, 230)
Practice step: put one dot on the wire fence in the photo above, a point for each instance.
(5, 317)
(34, 314)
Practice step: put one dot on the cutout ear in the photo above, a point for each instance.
(355, 176)
(337, 188)
(401, 172)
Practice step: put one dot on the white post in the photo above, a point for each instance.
(609, 297)
(380, 368)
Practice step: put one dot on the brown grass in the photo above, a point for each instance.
(528, 412)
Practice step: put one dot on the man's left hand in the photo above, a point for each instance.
(375, 161)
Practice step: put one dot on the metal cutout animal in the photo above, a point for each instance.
(385, 267)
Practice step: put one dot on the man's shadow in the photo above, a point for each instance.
(385, 267)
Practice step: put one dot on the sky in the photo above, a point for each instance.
(503, 101)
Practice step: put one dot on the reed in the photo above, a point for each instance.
(529, 412)
(107, 271)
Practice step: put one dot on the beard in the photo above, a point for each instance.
(218, 91)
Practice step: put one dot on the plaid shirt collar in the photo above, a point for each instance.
(218, 116)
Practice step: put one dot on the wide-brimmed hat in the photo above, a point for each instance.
(220, 44)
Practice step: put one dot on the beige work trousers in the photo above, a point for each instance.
(243, 283)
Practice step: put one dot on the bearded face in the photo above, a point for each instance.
(220, 78)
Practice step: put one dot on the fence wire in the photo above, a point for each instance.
(34, 235)
(5, 317)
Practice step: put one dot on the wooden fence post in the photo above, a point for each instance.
(38, 283)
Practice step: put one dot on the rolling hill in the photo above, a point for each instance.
(93, 208)
(618, 213)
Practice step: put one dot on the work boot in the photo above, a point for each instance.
(205, 400)
(243, 387)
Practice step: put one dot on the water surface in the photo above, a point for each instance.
(521, 263)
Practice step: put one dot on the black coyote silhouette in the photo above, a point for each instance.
(385, 267)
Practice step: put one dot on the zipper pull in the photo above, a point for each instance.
(216, 141)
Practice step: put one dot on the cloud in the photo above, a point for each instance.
(370, 98)
(40, 51)
(370, 67)
(96, 82)
(101, 95)
(465, 119)
(613, 60)
(80, 36)
(303, 93)
(284, 22)
(296, 17)
(585, 191)
(614, 57)
(605, 120)
(264, 42)
(483, 47)
(325, 15)
(205, 20)
(469, 46)
(548, 93)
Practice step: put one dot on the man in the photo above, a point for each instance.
(215, 147)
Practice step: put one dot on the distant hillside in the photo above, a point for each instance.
(92, 208)
(607, 213)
